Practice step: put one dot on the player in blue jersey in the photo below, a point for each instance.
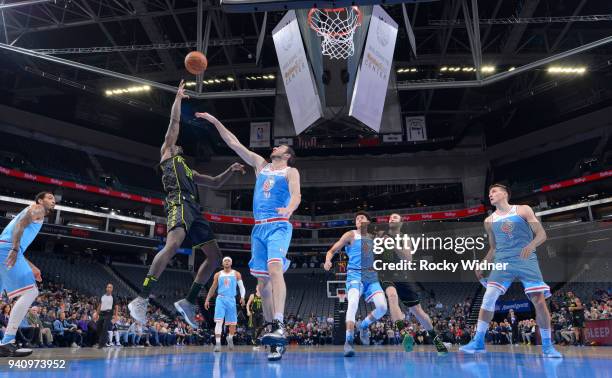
(276, 197)
(224, 284)
(360, 279)
(514, 234)
(18, 276)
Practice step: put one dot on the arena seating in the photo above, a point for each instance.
(86, 276)
(48, 159)
(538, 170)
(132, 177)
(172, 285)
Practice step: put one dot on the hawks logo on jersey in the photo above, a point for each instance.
(507, 227)
(268, 185)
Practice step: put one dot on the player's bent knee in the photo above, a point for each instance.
(489, 299)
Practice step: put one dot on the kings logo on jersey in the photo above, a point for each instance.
(267, 186)
(507, 227)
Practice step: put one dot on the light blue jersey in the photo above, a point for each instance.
(29, 233)
(225, 304)
(227, 284)
(271, 235)
(271, 192)
(18, 279)
(360, 273)
(512, 233)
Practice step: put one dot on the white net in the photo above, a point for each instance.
(337, 27)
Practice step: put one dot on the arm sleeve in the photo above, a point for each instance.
(242, 289)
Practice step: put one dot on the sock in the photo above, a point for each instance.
(279, 316)
(545, 333)
(432, 333)
(147, 286)
(194, 292)
(230, 339)
(218, 340)
(366, 322)
(481, 330)
(350, 335)
(400, 324)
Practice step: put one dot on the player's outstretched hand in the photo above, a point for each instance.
(327, 266)
(207, 116)
(180, 93)
(11, 259)
(237, 167)
(207, 305)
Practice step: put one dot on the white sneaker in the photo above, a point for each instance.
(74, 345)
(230, 343)
(217, 348)
(138, 309)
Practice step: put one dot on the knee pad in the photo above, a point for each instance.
(353, 303)
(489, 299)
(218, 327)
(381, 306)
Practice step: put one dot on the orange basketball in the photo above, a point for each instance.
(196, 62)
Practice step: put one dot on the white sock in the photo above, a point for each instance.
(279, 316)
(218, 340)
(482, 326)
(230, 338)
(19, 311)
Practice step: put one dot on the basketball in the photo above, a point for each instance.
(196, 62)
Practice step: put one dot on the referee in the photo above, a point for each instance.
(107, 308)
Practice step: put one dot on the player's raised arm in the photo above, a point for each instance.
(219, 180)
(247, 155)
(175, 121)
(539, 236)
(344, 240)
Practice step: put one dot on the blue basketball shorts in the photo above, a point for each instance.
(527, 271)
(269, 244)
(19, 278)
(367, 289)
(225, 309)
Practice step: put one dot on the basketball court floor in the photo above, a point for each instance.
(319, 362)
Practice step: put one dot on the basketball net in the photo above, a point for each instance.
(337, 27)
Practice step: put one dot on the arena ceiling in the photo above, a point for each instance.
(149, 39)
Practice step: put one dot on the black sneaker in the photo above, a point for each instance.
(11, 350)
(276, 352)
(440, 347)
(277, 336)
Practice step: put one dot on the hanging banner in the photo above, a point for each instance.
(416, 130)
(260, 134)
(299, 82)
(372, 80)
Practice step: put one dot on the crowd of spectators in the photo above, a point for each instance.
(62, 317)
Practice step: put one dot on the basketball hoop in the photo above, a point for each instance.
(337, 27)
